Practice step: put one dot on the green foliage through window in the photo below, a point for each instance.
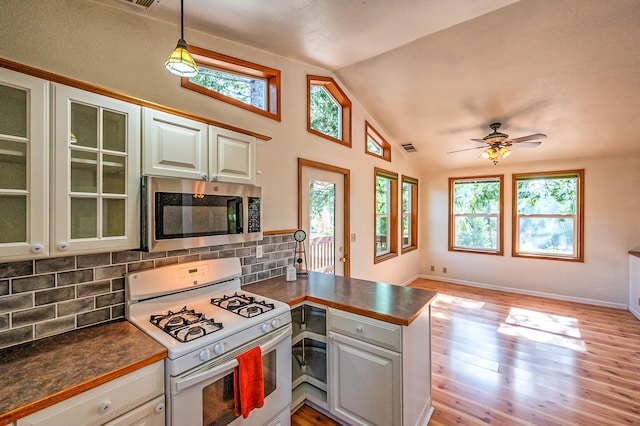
(322, 204)
(246, 89)
(476, 214)
(325, 112)
(547, 215)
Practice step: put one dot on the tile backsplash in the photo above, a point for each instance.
(40, 298)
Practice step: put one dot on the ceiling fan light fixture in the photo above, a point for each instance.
(180, 62)
(505, 152)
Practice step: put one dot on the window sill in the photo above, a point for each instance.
(382, 258)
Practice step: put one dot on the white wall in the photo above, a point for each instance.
(612, 228)
(124, 52)
(634, 284)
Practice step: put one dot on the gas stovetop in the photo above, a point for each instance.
(201, 305)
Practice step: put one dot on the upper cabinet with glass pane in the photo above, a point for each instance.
(24, 142)
(97, 172)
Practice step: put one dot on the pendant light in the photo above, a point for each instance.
(180, 61)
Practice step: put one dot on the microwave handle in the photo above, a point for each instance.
(214, 370)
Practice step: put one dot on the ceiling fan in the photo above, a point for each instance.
(499, 143)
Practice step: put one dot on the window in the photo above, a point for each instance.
(328, 110)
(386, 211)
(376, 145)
(250, 86)
(548, 215)
(409, 214)
(475, 214)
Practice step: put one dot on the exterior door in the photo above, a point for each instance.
(323, 216)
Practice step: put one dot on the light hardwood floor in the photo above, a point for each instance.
(508, 359)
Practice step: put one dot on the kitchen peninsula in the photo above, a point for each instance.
(378, 347)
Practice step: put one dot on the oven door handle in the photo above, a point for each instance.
(229, 361)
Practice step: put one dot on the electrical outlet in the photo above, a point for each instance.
(353, 238)
(259, 252)
(433, 268)
(444, 270)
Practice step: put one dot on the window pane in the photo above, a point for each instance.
(84, 213)
(476, 232)
(325, 112)
(84, 125)
(547, 196)
(13, 220)
(84, 171)
(114, 131)
(372, 146)
(382, 235)
(13, 165)
(476, 197)
(13, 111)
(246, 89)
(547, 235)
(114, 216)
(383, 192)
(406, 228)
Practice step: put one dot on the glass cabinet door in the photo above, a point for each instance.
(23, 152)
(97, 144)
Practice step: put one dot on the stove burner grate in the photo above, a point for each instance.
(243, 305)
(185, 325)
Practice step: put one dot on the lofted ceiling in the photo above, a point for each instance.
(436, 73)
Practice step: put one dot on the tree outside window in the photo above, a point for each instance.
(548, 209)
(475, 214)
(328, 110)
(409, 222)
(386, 215)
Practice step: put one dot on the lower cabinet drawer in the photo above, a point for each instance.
(367, 329)
(149, 414)
(105, 402)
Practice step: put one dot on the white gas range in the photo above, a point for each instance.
(199, 312)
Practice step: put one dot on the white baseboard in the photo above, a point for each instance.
(635, 311)
(531, 293)
(410, 280)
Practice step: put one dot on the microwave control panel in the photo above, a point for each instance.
(254, 215)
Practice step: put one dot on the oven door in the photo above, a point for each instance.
(204, 395)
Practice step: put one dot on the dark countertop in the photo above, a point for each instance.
(387, 302)
(39, 374)
(635, 253)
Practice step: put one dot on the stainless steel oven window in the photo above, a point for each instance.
(218, 406)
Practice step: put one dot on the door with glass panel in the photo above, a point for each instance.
(24, 142)
(323, 217)
(96, 179)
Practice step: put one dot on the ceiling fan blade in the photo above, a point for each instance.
(536, 136)
(525, 144)
(467, 149)
(479, 140)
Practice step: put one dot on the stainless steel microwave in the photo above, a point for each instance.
(182, 213)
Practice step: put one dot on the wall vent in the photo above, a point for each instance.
(145, 4)
(409, 147)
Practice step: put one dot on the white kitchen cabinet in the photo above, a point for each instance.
(134, 399)
(24, 156)
(231, 156)
(379, 373)
(96, 175)
(174, 146)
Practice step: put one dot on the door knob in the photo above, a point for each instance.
(343, 259)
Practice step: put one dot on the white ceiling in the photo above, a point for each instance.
(437, 72)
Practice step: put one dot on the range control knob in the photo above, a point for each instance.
(275, 323)
(204, 355)
(218, 348)
(265, 328)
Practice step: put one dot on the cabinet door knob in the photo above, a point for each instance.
(205, 176)
(104, 407)
(63, 246)
(159, 408)
(37, 248)
(359, 329)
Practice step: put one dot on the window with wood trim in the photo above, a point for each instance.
(376, 145)
(386, 215)
(246, 85)
(548, 210)
(409, 223)
(328, 110)
(476, 214)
